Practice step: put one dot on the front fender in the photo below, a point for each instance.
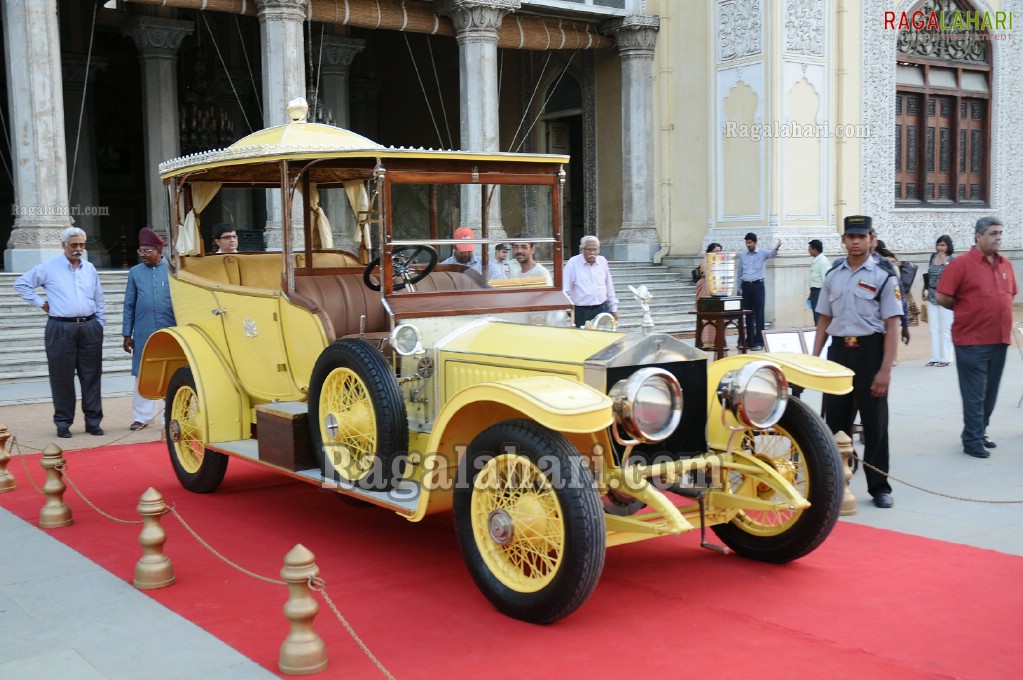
(805, 370)
(224, 403)
(557, 403)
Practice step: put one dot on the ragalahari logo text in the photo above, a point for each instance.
(957, 21)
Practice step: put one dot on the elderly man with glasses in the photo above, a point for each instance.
(74, 329)
(587, 281)
(147, 309)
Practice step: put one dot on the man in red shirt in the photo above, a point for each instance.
(979, 287)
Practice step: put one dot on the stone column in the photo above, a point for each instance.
(36, 105)
(81, 153)
(334, 55)
(636, 36)
(283, 51)
(476, 26)
(158, 40)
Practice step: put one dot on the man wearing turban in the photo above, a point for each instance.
(147, 309)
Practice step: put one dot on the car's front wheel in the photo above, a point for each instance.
(197, 468)
(800, 448)
(529, 521)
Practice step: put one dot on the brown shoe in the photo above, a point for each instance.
(136, 426)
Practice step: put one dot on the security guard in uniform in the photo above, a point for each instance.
(860, 306)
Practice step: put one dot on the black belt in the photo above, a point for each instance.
(859, 341)
(815, 287)
(591, 306)
(74, 319)
(757, 281)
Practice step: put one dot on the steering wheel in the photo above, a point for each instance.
(409, 264)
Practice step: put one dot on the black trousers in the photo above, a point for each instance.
(586, 312)
(840, 409)
(753, 296)
(75, 348)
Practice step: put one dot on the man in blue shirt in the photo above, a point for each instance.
(74, 329)
(750, 275)
(147, 308)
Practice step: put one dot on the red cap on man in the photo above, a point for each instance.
(464, 233)
(150, 239)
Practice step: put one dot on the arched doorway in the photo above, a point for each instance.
(563, 134)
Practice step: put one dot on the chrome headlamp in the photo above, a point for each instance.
(755, 394)
(406, 340)
(647, 405)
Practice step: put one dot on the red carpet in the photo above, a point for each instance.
(868, 604)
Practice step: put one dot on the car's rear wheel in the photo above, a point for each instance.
(529, 521)
(357, 419)
(197, 468)
(799, 447)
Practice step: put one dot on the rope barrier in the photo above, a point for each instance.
(62, 468)
(931, 491)
(318, 585)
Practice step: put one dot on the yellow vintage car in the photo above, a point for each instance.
(397, 376)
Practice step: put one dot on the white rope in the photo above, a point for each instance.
(252, 78)
(226, 72)
(440, 95)
(81, 109)
(529, 104)
(319, 70)
(422, 87)
(553, 88)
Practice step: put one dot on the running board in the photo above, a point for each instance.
(402, 498)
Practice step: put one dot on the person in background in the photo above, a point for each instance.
(979, 287)
(226, 238)
(939, 319)
(882, 254)
(860, 305)
(464, 254)
(147, 308)
(587, 282)
(818, 269)
(74, 330)
(751, 272)
(529, 267)
(501, 253)
(707, 337)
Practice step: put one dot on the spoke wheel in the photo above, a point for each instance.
(357, 417)
(197, 468)
(801, 449)
(529, 521)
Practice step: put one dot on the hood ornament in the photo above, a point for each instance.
(643, 297)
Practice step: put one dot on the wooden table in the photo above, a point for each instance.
(721, 321)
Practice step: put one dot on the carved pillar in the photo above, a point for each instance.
(81, 153)
(476, 25)
(280, 29)
(36, 105)
(334, 55)
(636, 37)
(158, 41)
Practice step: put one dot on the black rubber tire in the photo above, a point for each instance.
(822, 466)
(580, 543)
(210, 472)
(399, 283)
(375, 468)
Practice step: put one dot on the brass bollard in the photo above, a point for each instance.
(55, 512)
(154, 569)
(7, 482)
(845, 448)
(302, 652)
